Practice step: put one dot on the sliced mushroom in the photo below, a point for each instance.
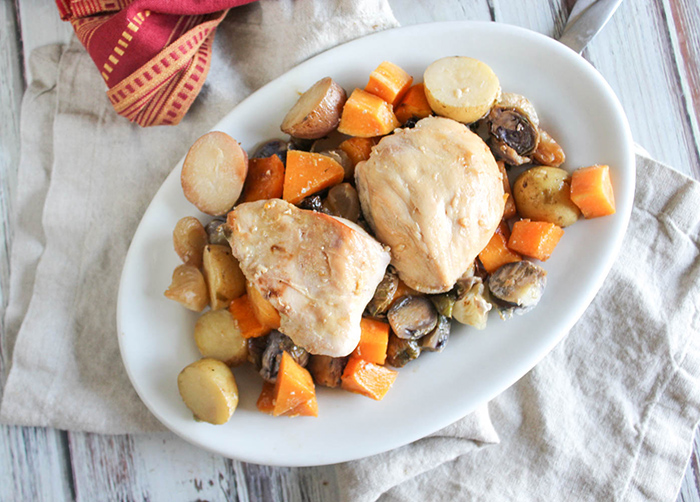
(327, 370)
(273, 147)
(271, 358)
(256, 349)
(400, 351)
(343, 201)
(514, 128)
(472, 306)
(384, 294)
(436, 340)
(517, 287)
(412, 317)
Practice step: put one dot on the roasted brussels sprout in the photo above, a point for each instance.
(401, 351)
(384, 294)
(472, 306)
(514, 128)
(271, 358)
(445, 302)
(548, 152)
(517, 287)
(412, 317)
(215, 231)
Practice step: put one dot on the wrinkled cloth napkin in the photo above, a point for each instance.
(154, 55)
(608, 415)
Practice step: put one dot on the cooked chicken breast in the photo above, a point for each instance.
(433, 194)
(318, 271)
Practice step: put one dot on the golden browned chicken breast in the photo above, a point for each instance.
(318, 271)
(434, 194)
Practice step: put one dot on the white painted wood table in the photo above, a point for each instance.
(650, 55)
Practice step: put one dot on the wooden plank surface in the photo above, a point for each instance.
(661, 41)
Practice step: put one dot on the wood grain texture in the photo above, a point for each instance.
(683, 23)
(34, 465)
(156, 466)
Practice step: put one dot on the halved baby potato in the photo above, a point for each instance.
(543, 193)
(223, 274)
(217, 336)
(317, 112)
(209, 390)
(461, 88)
(213, 173)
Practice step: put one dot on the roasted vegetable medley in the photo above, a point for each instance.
(348, 249)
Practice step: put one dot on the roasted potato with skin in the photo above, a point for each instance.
(542, 193)
(188, 288)
(189, 239)
(317, 112)
(217, 336)
(213, 173)
(223, 275)
(209, 390)
(461, 88)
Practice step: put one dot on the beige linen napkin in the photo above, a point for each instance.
(608, 415)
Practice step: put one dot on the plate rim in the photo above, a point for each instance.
(513, 376)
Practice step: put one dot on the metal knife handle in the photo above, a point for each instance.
(582, 27)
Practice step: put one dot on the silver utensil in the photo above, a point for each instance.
(585, 21)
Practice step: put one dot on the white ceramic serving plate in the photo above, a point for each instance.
(576, 106)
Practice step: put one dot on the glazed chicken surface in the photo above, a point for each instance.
(318, 271)
(434, 195)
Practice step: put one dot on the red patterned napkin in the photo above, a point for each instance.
(154, 55)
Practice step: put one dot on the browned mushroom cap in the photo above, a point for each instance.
(518, 286)
(327, 370)
(436, 340)
(514, 127)
(412, 317)
(272, 356)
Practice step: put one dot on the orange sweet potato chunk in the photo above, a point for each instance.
(266, 314)
(413, 105)
(389, 81)
(374, 339)
(265, 179)
(242, 311)
(308, 173)
(293, 390)
(592, 191)
(510, 209)
(358, 149)
(368, 379)
(366, 115)
(496, 253)
(536, 239)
